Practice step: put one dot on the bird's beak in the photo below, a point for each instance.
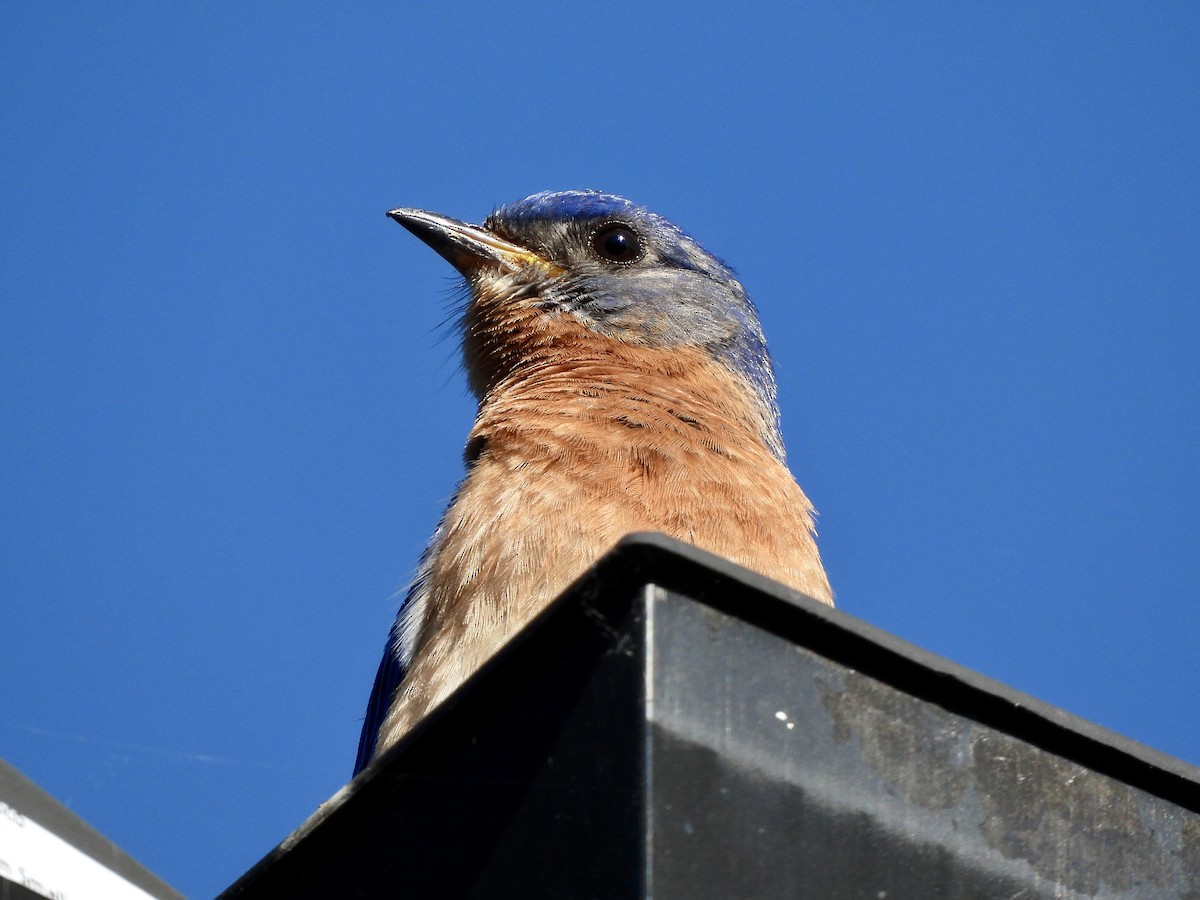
(466, 247)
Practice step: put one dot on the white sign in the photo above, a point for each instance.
(46, 864)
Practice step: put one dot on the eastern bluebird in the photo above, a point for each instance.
(623, 385)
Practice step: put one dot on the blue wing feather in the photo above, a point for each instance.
(397, 656)
(390, 674)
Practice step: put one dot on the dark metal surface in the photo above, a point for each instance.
(677, 727)
(10, 890)
(811, 776)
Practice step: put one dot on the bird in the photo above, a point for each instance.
(623, 384)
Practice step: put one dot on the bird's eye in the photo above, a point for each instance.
(617, 243)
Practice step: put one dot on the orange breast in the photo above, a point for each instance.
(582, 444)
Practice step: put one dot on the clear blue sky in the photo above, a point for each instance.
(232, 412)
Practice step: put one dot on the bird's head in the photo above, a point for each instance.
(602, 265)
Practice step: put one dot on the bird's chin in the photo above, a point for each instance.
(498, 288)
